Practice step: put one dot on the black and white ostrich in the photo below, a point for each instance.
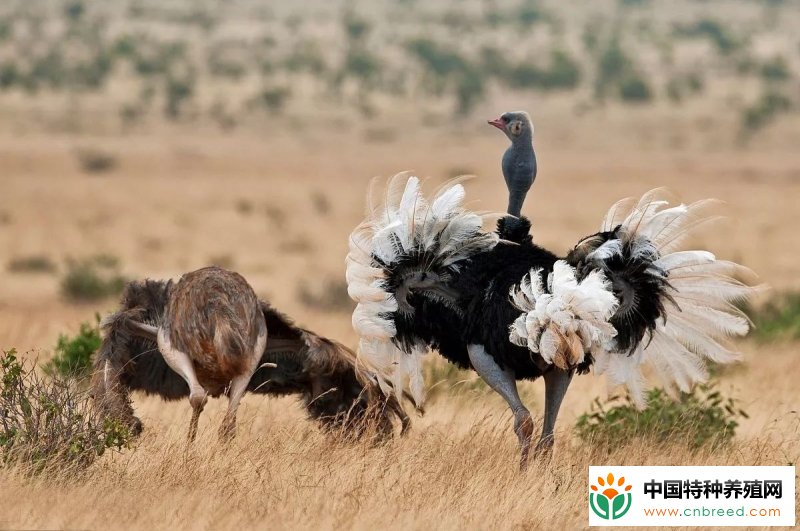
(426, 276)
(199, 316)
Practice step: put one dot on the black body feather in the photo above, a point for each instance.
(483, 285)
(481, 311)
(640, 287)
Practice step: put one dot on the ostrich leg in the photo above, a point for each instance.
(239, 385)
(555, 387)
(504, 383)
(181, 363)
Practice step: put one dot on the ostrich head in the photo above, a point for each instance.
(516, 125)
(519, 161)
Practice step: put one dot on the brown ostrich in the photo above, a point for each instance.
(208, 334)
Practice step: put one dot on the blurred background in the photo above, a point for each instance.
(147, 138)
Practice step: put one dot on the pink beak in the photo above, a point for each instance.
(498, 123)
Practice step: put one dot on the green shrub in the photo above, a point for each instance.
(49, 425)
(529, 13)
(613, 63)
(74, 10)
(435, 58)
(470, 90)
(562, 73)
(776, 69)
(32, 264)
(699, 418)
(92, 279)
(493, 61)
(10, 75)
(724, 39)
(73, 355)
(764, 111)
(362, 64)
(177, 89)
(635, 89)
(777, 320)
(355, 28)
(446, 69)
(274, 98)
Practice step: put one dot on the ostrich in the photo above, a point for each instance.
(293, 361)
(426, 276)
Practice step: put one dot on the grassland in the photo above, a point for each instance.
(265, 171)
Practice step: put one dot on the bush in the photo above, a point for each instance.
(469, 91)
(361, 64)
(274, 98)
(95, 160)
(777, 69)
(778, 320)
(634, 89)
(355, 28)
(32, 264)
(73, 355)
(178, 90)
(92, 279)
(10, 75)
(764, 111)
(50, 425)
(529, 13)
(702, 417)
(439, 61)
(562, 73)
(713, 30)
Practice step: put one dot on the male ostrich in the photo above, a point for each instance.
(292, 360)
(425, 275)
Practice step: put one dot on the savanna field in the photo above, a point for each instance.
(141, 138)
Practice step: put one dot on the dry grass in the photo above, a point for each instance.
(456, 469)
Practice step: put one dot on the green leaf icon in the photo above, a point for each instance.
(617, 504)
(602, 502)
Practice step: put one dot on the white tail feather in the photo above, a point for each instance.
(398, 224)
(696, 326)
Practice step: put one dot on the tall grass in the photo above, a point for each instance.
(456, 469)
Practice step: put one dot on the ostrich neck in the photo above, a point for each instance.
(519, 171)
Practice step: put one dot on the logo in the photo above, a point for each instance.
(610, 503)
